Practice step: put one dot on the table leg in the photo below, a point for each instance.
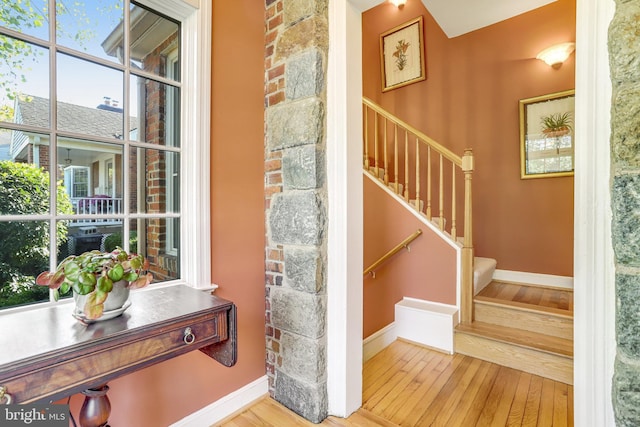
(96, 407)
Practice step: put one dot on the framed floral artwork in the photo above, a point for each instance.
(402, 55)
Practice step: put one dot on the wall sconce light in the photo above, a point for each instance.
(398, 3)
(555, 55)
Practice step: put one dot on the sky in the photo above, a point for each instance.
(86, 25)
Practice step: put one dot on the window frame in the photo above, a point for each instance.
(195, 17)
(170, 248)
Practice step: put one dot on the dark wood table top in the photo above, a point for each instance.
(34, 342)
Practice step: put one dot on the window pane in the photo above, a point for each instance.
(156, 108)
(25, 147)
(88, 237)
(152, 242)
(156, 180)
(88, 169)
(24, 83)
(88, 98)
(24, 253)
(150, 49)
(91, 27)
(92, 178)
(24, 187)
(31, 17)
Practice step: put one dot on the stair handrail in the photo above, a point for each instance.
(466, 165)
(404, 244)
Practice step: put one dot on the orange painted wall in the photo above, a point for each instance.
(470, 99)
(165, 393)
(427, 272)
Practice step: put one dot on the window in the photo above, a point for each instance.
(97, 104)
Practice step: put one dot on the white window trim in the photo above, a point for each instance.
(195, 252)
(195, 133)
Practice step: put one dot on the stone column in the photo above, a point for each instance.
(624, 51)
(296, 198)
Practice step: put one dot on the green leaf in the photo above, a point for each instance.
(71, 270)
(116, 272)
(105, 284)
(136, 262)
(130, 276)
(65, 287)
(87, 279)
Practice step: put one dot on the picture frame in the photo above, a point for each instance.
(547, 143)
(402, 56)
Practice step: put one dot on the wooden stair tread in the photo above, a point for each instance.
(553, 300)
(519, 337)
(568, 314)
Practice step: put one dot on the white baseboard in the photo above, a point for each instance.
(377, 341)
(534, 278)
(227, 405)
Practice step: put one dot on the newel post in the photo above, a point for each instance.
(466, 300)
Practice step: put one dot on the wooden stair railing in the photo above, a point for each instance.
(404, 244)
(408, 154)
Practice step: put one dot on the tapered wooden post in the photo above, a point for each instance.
(406, 166)
(429, 183)
(386, 157)
(395, 157)
(417, 205)
(366, 139)
(376, 165)
(454, 212)
(467, 249)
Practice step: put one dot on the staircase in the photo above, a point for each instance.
(524, 327)
(521, 326)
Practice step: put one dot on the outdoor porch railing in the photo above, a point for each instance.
(96, 205)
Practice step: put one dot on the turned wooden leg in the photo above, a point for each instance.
(96, 407)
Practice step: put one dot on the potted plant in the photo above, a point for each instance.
(100, 280)
(555, 125)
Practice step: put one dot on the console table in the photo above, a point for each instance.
(48, 355)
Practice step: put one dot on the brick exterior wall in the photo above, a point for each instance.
(163, 265)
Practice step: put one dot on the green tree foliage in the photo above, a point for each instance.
(18, 15)
(16, 56)
(115, 240)
(24, 189)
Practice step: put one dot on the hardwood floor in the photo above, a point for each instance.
(409, 385)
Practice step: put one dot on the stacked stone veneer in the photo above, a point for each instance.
(296, 204)
(624, 50)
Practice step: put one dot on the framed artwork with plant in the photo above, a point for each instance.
(546, 135)
(402, 55)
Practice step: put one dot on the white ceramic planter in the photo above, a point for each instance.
(116, 303)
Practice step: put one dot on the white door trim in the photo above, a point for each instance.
(594, 278)
(594, 316)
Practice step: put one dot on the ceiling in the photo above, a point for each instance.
(457, 17)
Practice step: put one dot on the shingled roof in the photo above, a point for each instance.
(34, 111)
